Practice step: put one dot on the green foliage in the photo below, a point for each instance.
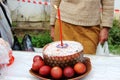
(114, 36)
(14, 24)
(38, 40)
(114, 49)
(41, 39)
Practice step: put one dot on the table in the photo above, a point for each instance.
(103, 67)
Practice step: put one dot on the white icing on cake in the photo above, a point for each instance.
(72, 48)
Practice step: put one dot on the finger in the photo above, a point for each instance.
(101, 40)
(52, 38)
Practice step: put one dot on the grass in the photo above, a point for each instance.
(41, 40)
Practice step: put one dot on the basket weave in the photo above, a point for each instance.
(62, 61)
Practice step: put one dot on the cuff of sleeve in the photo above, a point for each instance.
(106, 24)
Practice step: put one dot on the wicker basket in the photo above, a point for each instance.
(62, 61)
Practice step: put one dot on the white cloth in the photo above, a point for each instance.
(103, 67)
(5, 29)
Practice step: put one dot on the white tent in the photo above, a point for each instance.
(29, 10)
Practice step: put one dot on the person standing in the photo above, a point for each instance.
(85, 21)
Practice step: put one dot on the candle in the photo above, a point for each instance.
(59, 18)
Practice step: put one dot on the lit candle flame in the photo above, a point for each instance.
(55, 7)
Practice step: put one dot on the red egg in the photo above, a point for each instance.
(37, 57)
(36, 65)
(68, 72)
(56, 72)
(45, 70)
(80, 68)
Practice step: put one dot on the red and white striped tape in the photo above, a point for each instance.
(34, 2)
(117, 10)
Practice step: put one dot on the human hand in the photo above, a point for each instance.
(104, 33)
(52, 32)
